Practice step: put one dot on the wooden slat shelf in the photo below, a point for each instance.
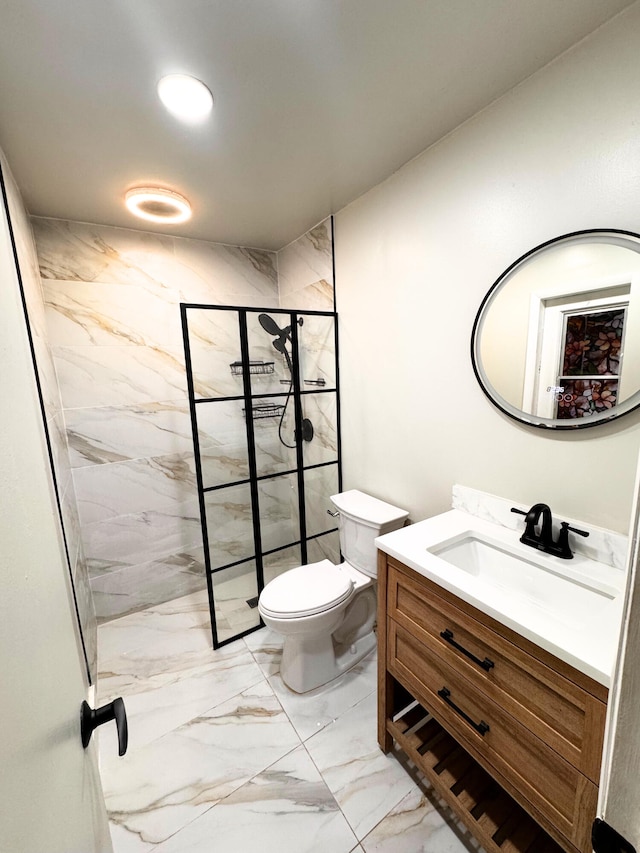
(493, 817)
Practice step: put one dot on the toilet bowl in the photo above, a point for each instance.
(325, 612)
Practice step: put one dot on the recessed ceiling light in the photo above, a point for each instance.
(185, 97)
(158, 205)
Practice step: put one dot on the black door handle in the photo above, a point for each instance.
(90, 719)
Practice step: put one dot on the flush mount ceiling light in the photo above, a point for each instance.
(158, 205)
(185, 97)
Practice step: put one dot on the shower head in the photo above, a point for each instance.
(271, 327)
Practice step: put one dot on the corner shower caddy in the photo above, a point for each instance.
(260, 516)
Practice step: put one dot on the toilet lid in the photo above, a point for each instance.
(306, 590)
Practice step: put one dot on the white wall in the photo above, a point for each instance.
(416, 254)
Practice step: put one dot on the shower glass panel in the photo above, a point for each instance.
(224, 454)
(279, 511)
(322, 411)
(281, 561)
(318, 483)
(265, 414)
(317, 352)
(235, 592)
(274, 417)
(228, 512)
(214, 341)
(325, 547)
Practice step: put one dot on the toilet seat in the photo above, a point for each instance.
(305, 591)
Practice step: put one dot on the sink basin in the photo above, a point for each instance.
(542, 580)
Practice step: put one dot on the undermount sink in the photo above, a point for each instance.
(538, 578)
(570, 608)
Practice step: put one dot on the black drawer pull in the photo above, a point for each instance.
(447, 635)
(481, 727)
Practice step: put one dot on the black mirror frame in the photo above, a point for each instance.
(629, 405)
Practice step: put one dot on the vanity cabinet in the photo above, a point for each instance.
(508, 735)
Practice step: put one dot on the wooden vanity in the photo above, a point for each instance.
(507, 734)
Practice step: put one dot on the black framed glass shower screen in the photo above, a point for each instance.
(264, 400)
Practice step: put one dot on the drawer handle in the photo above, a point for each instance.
(481, 727)
(485, 664)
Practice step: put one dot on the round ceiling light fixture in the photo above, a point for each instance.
(158, 205)
(186, 98)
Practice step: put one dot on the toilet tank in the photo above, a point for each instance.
(362, 520)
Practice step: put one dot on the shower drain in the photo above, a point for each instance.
(253, 602)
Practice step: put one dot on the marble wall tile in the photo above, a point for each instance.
(605, 546)
(306, 820)
(117, 376)
(125, 488)
(90, 314)
(314, 297)
(137, 587)
(99, 435)
(59, 450)
(130, 540)
(75, 251)
(307, 261)
(212, 273)
(86, 611)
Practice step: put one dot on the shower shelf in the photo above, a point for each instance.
(319, 381)
(265, 411)
(254, 367)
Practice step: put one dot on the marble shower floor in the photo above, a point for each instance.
(223, 757)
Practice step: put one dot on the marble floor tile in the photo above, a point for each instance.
(266, 647)
(285, 809)
(166, 637)
(366, 783)
(420, 825)
(172, 781)
(164, 701)
(313, 711)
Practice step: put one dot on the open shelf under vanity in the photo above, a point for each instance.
(492, 816)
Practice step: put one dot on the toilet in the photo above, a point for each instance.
(327, 613)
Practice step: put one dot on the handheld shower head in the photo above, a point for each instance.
(270, 326)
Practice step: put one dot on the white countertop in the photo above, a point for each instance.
(583, 632)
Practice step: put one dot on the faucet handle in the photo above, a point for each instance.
(518, 511)
(565, 525)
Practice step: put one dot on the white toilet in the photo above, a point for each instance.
(327, 613)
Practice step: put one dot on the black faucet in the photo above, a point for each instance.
(543, 541)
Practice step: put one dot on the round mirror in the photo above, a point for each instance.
(556, 342)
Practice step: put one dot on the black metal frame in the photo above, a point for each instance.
(248, 397)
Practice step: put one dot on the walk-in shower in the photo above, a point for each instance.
(264, 402)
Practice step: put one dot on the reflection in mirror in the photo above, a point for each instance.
(556, 342)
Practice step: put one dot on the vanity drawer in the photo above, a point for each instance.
(555, 792)
(562, 713)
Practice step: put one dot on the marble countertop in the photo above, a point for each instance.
(581, 629)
